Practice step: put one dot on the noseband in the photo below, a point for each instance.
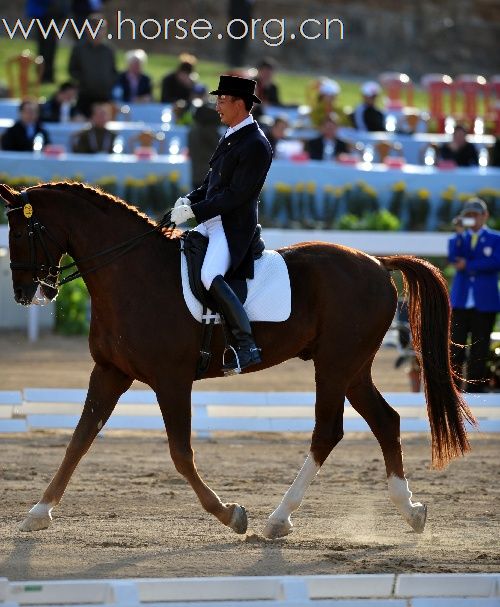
(37, 235)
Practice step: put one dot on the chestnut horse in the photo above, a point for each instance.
(343, 302)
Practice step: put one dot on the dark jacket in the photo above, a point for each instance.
(231, 189)
(202, 140)
(367, 117)
(466, 156)
(314, 147)
(16, 138)
(94, 140)
(172, 89)
(143, 87)
(50, 111)
(93, 67)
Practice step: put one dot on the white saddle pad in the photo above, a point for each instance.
(269, 298)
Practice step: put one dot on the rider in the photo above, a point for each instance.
(225, 206)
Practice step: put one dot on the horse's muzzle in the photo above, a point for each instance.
(24, 294)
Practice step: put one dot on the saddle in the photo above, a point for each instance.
(195, 246)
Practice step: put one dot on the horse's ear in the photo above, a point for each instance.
(7, 194)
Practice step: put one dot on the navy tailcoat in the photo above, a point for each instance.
(231, 189)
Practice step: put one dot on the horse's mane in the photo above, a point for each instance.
(105, 201)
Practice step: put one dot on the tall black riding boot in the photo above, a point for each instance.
(237, 321)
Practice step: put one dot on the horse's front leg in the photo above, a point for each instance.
(106, 386)
(175, 405)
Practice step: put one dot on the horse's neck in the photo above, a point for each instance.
(92, 232)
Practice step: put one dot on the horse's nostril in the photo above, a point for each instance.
(18, 294)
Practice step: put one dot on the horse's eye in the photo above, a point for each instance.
(17, 234)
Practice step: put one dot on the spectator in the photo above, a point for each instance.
(61, 106)
(475, 253)
(20, 137)
(202, 140)
(277, 131)
(133, 86)
(366, 116)
(495, 153)
(92, 66)
(178, 85)
(45, 11)
(266, 89)
(325, 103)
(241, 12)
(81, 9)
(96, 138)
(327, 146)
(459, 150)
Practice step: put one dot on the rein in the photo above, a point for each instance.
(36, 232)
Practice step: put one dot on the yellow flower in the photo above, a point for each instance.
(423, 194)
(464, 196)
(329, 189)
(174, 176)
(311, 187)
(448, 194)
(399, 186)
(299, 187)
(282, 187)
(151, 179)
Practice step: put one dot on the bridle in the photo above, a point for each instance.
(37, 239)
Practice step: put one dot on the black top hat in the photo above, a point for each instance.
(237, 87)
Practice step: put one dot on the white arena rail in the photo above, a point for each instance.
(363, 590)
(43, 408)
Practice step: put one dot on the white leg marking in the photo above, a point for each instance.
(415, 514)
(39, 517)
(279, 522)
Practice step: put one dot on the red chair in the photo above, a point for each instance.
(468, 87)
(439, 88)
(395, 84)
(493, 103)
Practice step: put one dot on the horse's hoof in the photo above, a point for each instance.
(276, 528)
(418, 517)
(239, 520)
(35, 523)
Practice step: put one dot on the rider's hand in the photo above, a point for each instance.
(182, 201)
(181, 214)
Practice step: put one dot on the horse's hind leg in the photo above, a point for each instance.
(384, 423)
(328, 431)
(175, 404)
(106, 386)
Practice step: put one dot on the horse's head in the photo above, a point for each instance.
(34, 246)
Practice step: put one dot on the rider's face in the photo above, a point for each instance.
(229, 109)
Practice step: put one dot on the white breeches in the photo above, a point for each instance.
(217, 259)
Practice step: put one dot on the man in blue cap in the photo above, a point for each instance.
(475, 253)
(225, 206)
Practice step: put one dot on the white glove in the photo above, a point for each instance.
(182, 200)
(181, 214)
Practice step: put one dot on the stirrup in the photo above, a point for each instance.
(231, 371)
(239, 367)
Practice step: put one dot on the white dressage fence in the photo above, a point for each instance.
(45, 408)
(385, 590)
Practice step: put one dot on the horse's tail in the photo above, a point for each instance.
(429, 312)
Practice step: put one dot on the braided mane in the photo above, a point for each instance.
(104, 201)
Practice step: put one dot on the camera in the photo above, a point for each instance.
(464, 222)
